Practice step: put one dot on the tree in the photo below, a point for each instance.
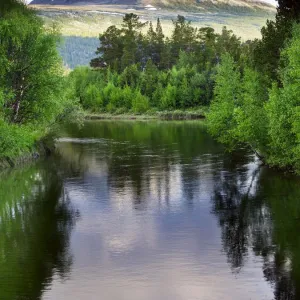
(132, 24)
(250, 115)
(150, 38)
(274, 36)
(283, 109)
(183, 37)
(110, 50)
(228, 42)
(32, 75)
(289, 9)
(159, 45)
(227, 91)
(133, 40)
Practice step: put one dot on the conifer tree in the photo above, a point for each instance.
(150, 40)
(131, 28)
(183, 37)
(159, 44)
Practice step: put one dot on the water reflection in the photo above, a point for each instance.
(161, 212)
(174, 166)
(145, 198)
(260, 213)
(36, 219)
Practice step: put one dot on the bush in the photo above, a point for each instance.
(92, 98)
(168, 100)
(15, 139)
(140, 103)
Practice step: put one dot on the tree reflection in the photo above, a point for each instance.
(260, 213)
(257, 209)
(36, 219)
(140, 156)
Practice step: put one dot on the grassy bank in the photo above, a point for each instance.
(40, 149)
(151, 115)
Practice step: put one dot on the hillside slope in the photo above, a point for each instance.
(81, 22)
(246, 5)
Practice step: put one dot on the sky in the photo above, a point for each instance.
(269, 1)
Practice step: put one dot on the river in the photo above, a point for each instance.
(137, 210)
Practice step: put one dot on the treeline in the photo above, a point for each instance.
(259, 104)
(32, 85)
(138, 71)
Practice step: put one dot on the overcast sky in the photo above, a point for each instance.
(271, 1)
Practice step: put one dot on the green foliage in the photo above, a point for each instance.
(140, 103)
(221, 118)
(15, 140)
(176, 73)
(251, 87)
(243, 110)
(250, 115)
(33, 96)
(168, 100)
(283, 109)
(92, 98)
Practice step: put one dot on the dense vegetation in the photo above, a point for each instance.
(32, 94)
(137, 72)
(259, 105)
(251, 87)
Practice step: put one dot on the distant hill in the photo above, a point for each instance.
(81, 21)
(169, 4)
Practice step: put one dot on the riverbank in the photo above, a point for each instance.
(41, 149)
(157, 115)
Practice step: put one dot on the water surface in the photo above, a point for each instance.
(148, 210)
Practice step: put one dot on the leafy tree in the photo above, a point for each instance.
(32, 93)
(31, 76)
(251, 118)
(168, 99)
(140, 103)
(283, 109)
(228, 42)
(149, 79)
(92, 98)
(274, 36)
(227, 97)
(130, 76)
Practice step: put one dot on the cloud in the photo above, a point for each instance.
(274, 2)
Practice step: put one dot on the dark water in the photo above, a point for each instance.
(136, 210)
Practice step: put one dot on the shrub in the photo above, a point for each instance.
(92, 98)
(140, 103)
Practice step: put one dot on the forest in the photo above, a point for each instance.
(248, 90)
